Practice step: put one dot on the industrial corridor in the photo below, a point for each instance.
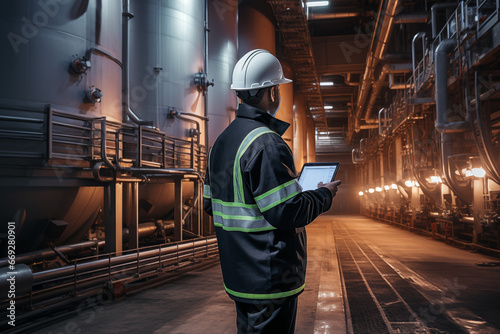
(161, 162)
(363, 276)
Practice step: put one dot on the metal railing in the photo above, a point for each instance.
(88, 276)
(64, 139)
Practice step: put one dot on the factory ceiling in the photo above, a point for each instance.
(337, 51)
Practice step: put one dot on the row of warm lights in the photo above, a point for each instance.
(378, 189)
(411, 183)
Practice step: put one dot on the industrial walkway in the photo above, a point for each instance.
(363, 277)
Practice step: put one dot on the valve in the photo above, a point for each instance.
(80, 65)
(172, 113)
(201, 81)
(194, 133)
(94, 95)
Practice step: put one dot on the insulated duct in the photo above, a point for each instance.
(377, 86)
(126, 68)
(441, 83)
(377, 51)
(442, 125)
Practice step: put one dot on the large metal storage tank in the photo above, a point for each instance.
(41, 39)
(299, 130)
(166, 50)
(222, 56)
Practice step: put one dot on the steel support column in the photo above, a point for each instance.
(131, 212)
(113, 217)
(178, 209)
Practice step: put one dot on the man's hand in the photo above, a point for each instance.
(332, 186)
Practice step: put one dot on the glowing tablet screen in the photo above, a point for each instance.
(314, 173)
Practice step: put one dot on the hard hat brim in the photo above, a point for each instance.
(263, 85)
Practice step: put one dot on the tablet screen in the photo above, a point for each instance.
(313, 174)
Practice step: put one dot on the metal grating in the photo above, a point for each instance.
(380, 300)
(294, 29)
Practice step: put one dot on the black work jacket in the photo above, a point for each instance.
(259, 210)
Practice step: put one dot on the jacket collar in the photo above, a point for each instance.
(247, 111)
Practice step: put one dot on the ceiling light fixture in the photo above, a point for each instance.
(317, 3)
(326, 83)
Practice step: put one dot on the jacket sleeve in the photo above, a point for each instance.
(207, 193)
(271, 177)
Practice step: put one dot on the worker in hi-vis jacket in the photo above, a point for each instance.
(259, 209)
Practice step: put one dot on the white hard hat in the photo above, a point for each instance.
(257, 69)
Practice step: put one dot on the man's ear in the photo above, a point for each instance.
(272, 93)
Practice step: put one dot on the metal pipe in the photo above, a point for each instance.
(117, 260)
(104, 53)
(126, 68)
(413, 52)
(203, 118)
(347, 80)
(49, 252)
(434, 11)
(23, 279)
(412, 18)
(441, 83)
(380, 127)
(379, 41)
(205, 68)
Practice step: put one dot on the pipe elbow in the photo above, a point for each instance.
(452, 127)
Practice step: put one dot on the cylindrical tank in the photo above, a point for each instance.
(299, 130)
(166, 51)
(256, 30)
(222, 56)
(311, 140)
(285, 112)
(41, 40)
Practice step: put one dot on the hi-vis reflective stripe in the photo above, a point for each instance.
(237, 177)
(239, 217)
(277, 195)
(206, 191)
(264, 295)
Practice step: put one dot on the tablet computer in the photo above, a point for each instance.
(313, 173)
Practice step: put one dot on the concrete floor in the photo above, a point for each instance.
(197, 303)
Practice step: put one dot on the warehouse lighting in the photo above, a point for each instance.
(378, 189)
(317, 3)
(478, 172)
(361, 193)
(371, 190)
(436, 179)
(467, 172)
(387, 187)
(326, 83)
(410, 183)
(394, 186)
(328, 107)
